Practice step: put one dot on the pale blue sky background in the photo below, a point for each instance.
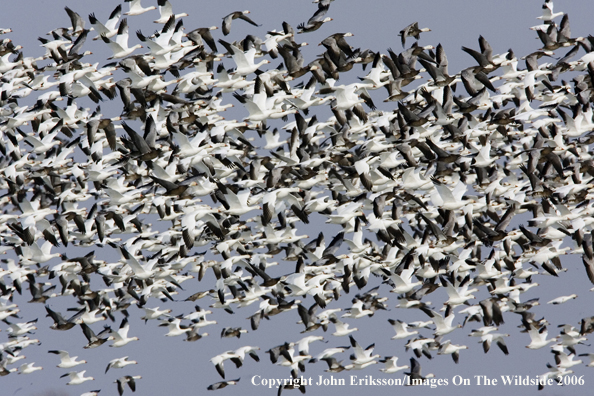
(171, 366)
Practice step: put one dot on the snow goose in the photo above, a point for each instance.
(412, 180)
(411, 30)
(345, 213)
(238, 203)
(591, 357)
(77, 378)
(219, 360)
(230, 82)
(128, 379)
(19, 329)
(563, 360)
(136, 8)
(447, 348)
(78, 23)
(448, 199)
(230, 332)
(562, 299)
(262, 108)
(161, 44)
(303, 344)
(538, 337)
(346, 96)
(59, 322)
(154, 313)
(222, 384)
(119, 363)
(488, 338)
(241, 352)
(555, 373)
(357, 310)
(175, 327)
(67, 361)
(403, 282)
(304, 101)
(140, 271)
(392, 365)
(362, 356)
(547, 12)
(316, 21)
(415, 376)
(460, 294)
(109, 29)
(94, 340)
(329, 352)
(120, 47)
(442, 325)
(166, 11)
(244, 60)
(342, 329)
(120, 337)
(236, 15)
(28, 368)
(401, 329)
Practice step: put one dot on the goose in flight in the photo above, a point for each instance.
(235, 15)
(67, 361)
(316, 21)
(447, 348)
(222, 384)
(77, 378)
(136, 8)
(128, 379)
(119, 47)
(94, 340)
(401, 329)
(415, 373)
(488, 338)
(243, 59)
(166, 11)
(362, 356)
(119, 363)
(342, 329)
(392, 365)
(120, 337)
(547, 12)
(109, 28)
(412, 30)
(538, 337)
(28, 368)
(443, 325)
(219, 361)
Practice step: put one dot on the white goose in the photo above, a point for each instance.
(67, 361)
(77, 378)
(120, 47)
(447, 348)
(342, 329)
(243, 60)
(362, 356)
(166, 11)
(391, 365)
(119, 363)
(443, 325)
(136, 8)
(28, 368)
(538, 338)
(109, 29)
(120, 337)
(401, 329)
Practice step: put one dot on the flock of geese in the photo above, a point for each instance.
(476, 184)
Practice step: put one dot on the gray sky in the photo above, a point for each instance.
(169, 365)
